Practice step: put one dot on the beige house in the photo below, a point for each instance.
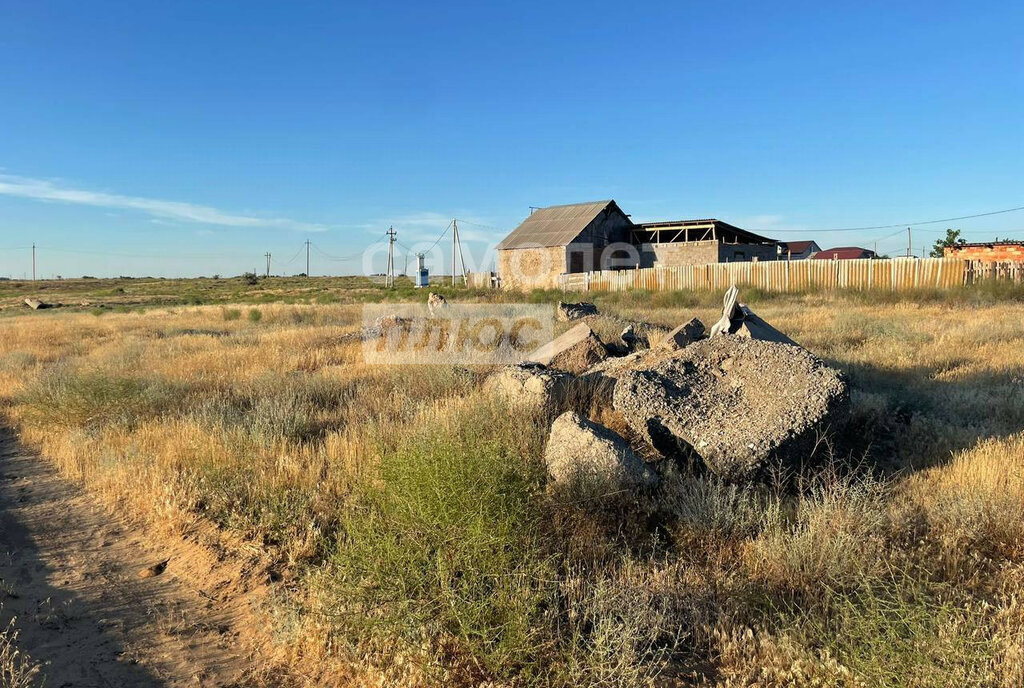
(560, 239)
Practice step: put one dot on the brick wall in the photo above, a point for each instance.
(683, 253)
(990, 253)
(531, 268)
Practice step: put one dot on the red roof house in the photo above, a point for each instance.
(844, 253)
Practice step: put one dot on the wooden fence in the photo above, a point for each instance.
(480, 280)
(799, 275)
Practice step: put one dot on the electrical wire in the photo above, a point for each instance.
(297, 253)
(128, 255)
(354, 256)
(898, 224)
(438, 239)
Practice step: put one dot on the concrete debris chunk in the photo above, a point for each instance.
(531, 385)
(574, 311)
(583, 452)
(739, 404)
(574, 350)
(753, 327)
(684, 335)
(737, 318)
(36, 304)
(436, 304)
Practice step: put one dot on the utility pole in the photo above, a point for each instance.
(405, 270)
(389, 279)
(267, 254)
(33, 261)
(910, 244)
(462, 258)
(307, 257)
(455, 237)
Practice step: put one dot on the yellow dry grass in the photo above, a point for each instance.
(904, 571)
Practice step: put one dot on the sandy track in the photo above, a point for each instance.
(69, 572)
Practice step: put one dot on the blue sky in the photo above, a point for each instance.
(190, 138)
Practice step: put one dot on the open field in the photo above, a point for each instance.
(99, 296)
(410, 539)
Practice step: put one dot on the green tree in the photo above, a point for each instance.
(952, 239)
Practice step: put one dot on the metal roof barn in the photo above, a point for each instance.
(556, 225)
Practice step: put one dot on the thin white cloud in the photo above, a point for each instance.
(43, 190)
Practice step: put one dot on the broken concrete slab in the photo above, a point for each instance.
(753, 327)
(581, 452)
(730, 312)
(628, 337)
(36, 304)
(531, 385)
(684, 335)
(574, 350)
(739, 404)
(574, 311)
(737, 318)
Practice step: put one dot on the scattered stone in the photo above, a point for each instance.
(739, 404)
(574, 350)
(582, 452)
(574, 311)
(684, 335)
(530, 384)
(436, 303)
(154, 570)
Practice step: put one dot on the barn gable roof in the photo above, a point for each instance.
(556, 225)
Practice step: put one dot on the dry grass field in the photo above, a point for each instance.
(413, 542)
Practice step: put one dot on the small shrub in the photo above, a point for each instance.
(901, 631)
(444, 541)
(231, 313)
(93, 399)
(255, 315)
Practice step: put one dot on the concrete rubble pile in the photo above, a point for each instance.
(743, 399)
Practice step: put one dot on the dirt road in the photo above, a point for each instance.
(70, 574)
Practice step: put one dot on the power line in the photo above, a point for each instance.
(297, 253)
(438, 240)
(901, 225)
(128, 255)
(354, 256)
